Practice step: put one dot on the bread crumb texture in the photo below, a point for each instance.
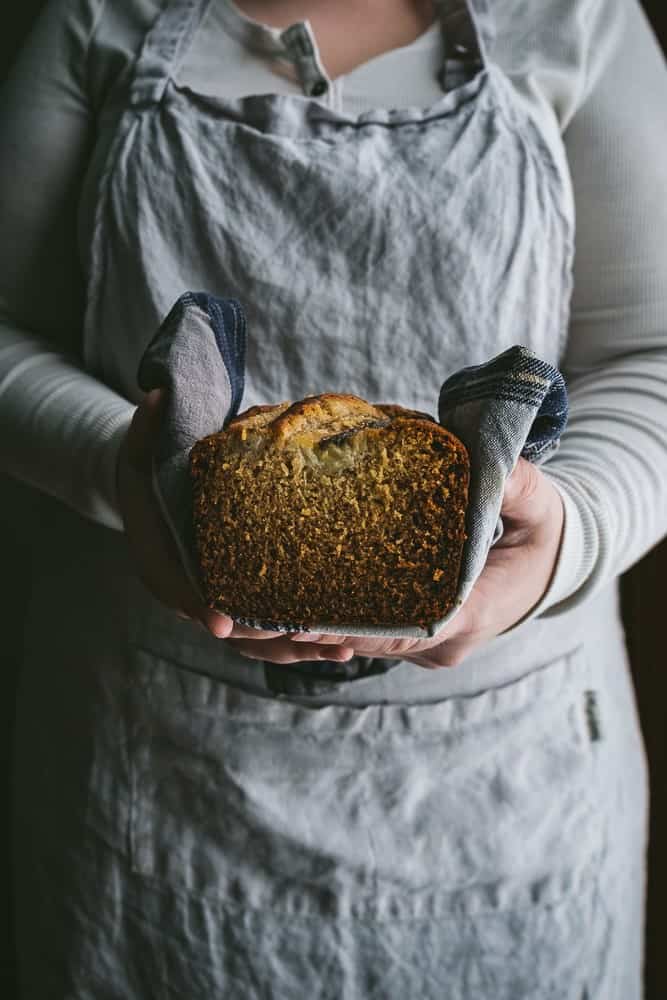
(330, 510)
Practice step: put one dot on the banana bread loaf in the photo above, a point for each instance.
(330, 510)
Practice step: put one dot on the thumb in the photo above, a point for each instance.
(522, 491)
(144, 427)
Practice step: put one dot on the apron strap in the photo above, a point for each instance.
(465, 26)
(164, 46)
(466, 37)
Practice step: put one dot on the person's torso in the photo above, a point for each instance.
(374, 252)
(370, 251)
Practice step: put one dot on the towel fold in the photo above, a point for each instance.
(512, 405)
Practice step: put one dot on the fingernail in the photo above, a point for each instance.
(221, 629)
(210, 627)
(306, 637)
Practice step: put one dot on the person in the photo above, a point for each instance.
(391, 190)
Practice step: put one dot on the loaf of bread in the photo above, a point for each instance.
(330, 510)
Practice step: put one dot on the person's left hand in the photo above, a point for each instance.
(516, 575)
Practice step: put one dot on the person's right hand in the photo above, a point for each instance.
(156, 558)
(157, 561)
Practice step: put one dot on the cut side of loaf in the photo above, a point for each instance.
(330, 510)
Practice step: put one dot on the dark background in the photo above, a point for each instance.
(643, 605)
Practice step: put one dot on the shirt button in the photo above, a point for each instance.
(318, 88)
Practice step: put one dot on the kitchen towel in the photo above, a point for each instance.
(510, 406)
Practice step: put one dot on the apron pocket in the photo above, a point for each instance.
(470, 805)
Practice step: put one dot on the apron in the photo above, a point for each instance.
(212, 833)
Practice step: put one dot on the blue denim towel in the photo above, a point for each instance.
(515, 404)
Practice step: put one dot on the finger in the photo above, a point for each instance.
(325, 639)
(284, 651)
(521, 489)
(168, 580)
(277, 653)
(144, 428)
(385, 647)
(450, 653)
(248, 632)
(217, 624)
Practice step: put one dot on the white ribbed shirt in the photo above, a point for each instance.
(590, 69)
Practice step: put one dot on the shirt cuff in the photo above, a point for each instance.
(574, 562)
(576, 556)
(106, 508)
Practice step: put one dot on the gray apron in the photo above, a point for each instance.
(186, 827)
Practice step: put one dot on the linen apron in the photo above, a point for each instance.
(192, 826)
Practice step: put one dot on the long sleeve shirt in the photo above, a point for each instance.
(592, 69)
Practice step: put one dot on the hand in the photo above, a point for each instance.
(156, 558)
(516, 575)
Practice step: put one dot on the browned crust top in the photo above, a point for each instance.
(319, 417)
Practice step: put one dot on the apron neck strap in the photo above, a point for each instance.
(164, 46)
(464, 25)
(466, 37)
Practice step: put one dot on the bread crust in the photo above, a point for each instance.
(330, 510)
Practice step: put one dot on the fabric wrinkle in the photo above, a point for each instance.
(249, 832)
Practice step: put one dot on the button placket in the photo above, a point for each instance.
(336, 94)
(302, 50)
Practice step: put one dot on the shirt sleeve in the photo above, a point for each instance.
(611, 468)
(61, 428)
